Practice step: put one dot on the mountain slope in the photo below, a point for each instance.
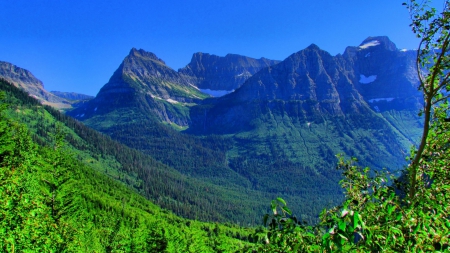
(216, 195)
(314, 103)
(25, 80)
(53, 202)
(143, 87)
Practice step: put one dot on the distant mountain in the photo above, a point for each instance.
(25, 80)
(71, 95)
(212, 73)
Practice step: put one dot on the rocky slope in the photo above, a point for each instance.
(25, 80)
(215, 73)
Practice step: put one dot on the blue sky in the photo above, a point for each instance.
(77, 45)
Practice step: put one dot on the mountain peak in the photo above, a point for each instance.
(142, 53)
(313, 47)
(378, 41)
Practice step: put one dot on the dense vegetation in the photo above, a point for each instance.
(53, 202)
(166, 187)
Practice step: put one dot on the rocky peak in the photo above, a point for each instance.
(208, 71)
(378, 42)
(144, 54)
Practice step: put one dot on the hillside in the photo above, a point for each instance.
(25, 80)
(74, 206)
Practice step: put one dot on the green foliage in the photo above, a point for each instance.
(52, 202)
(433, 62)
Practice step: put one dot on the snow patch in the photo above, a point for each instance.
(404, 50)
(380, 99)
(376, 108)
(367, 79)
(216, 93)
(367, 55)
(193, 86)
(370, 44)
(82, 115)
(172, 101)
(245, 73)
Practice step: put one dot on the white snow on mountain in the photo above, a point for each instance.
(172, 101)
(370, 44)
(367, 79)
(216, 93)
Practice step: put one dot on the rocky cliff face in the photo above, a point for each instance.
(311, 75)
(25, 80)
(143, 72)
(223, 73)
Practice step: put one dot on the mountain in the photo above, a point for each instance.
(143, 87)
(25, 80)
(375, 73)
(71, 95)
(315, 103)
(214, 74)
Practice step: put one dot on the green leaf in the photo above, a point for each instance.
(342, 225)
(286, 210)
(355, 220)
(281, 200)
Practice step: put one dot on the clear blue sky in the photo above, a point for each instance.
(77, 45)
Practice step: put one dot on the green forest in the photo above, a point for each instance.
(67, 188)
(53, 202)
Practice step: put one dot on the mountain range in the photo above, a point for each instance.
(268, 126)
